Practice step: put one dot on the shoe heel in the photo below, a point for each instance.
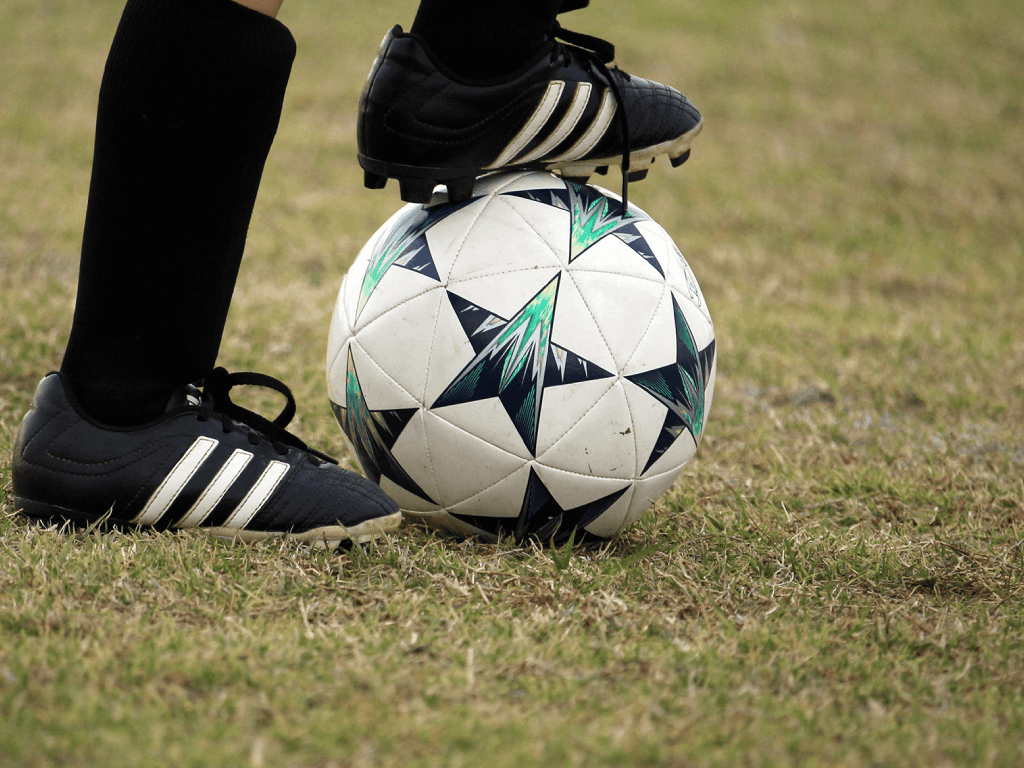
(373, 180)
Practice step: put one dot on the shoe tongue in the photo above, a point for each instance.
(184, 397)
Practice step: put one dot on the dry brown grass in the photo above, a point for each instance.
(835, 580)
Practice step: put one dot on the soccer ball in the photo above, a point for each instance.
(526, 363)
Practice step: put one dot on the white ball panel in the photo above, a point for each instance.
(616, 517)
(488, 421)
(681, 451)
(501, 183)
(446, 237)
(396, 287)
(501, 242)
(685, 282)
(337, 340)
(600, 443)
(657, 347)
(565, 405)
(463, 463)
(380, 391)
(400, 342)
(550, 225)
(502, 499)
(613, 257)
(648, 491)
(623, 306)
(503, 292)
(572, 490)
(577, 329)
(647, 416)
(408, 502)
(444, 523)
(449, 352)
(413, 452)
(702, 330)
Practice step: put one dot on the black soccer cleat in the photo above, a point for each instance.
(206, 463)
(564, 111)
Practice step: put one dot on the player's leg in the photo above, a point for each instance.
(482, 40)
(188, 108)
(478, 87)
(189, 105)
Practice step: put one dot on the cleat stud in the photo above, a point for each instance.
(637, 175)
(373, 180)
(460, 189)
(416, 190)
(680, 159)
(602, 169)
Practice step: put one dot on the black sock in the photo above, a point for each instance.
(481, 40)
(189, 104)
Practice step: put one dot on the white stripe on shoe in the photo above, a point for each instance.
(175, 481)
(257, 495)
(185, 470)
(566, 126)
(533, 126)
(215, 491)
(594, 133)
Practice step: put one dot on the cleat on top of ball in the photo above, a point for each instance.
(565, 107)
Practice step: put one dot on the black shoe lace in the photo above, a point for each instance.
(598, 53)
(217, 404)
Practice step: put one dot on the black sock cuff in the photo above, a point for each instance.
(208, 50)
(239, 37)
(479, 40)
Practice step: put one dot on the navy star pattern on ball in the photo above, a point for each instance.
(593, 217)
(374, 433)
(680, 386)
(406, 246)
(542, 517)
(515, 360)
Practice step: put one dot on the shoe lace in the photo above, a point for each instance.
(217, 404)
(597, 53)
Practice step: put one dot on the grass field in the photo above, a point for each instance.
(836, 580)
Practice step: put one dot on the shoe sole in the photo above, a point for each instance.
(326, 537)
(416, 183)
